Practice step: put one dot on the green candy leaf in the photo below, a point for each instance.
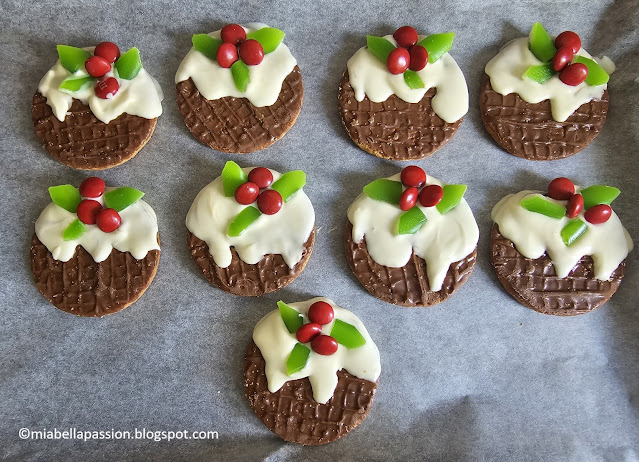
(541, 73)
(347, 334)
(384, 190)
(540, 43)
(297, 359)
(241, 76)
(437, 45)
(121, 198)
(289, 183)
(269, 37)
(413, 80)
(380, 47)
(453, 194)
(66, 196)
(596, 74)
(543, 206)
(75, 83)
(129, 64)
(572, 231)
(598, 194)
(411, 221)
(243, 220)
(74, 230)
(72, 58)
(232, 177)
(206, 45)
(291, 317)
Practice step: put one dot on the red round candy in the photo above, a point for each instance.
(261, 176)
(575, 205)
(561, 189)
(106, 88)
(418, 58)
(233, 33)
(431, 195)
(269, 202)
(108, 51)
(251, 52)
(408, 199)
(413, 176)
(308, 332)
(108, 220)
(321, 313)
(562, 58)
(324, 345)
(405, 36)
(568, 39)
(398, 60)
(226, 55)
(573, 74)
(246, 193)
(92, 187)
(598, 214)
(97, 66)
(88, 210)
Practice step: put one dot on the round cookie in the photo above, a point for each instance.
(403, 116)
(412, 256)
(279, 370)
(239, 114)
(86, 129)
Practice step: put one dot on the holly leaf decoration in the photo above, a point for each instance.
(380, 47)
(541, 73)
(453, 194)
(121, 198)
(540, 43)
(241, 76)
(74, 231)
(543, 206)
(289, 183)
(298, 358)
(72, 58)
(347, 334)
(73, 84)
(384, 190)
(129, 64)
(232, 177)
(291, 317)
(66, 196)
(596, 74)
(437, 45)
(572, 231)
(206, 45)
(411, 221)
(413, 80)
(243, 220)
(269, 37)
(599, 194)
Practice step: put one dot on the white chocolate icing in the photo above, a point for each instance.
(283, 233)
(441, 241)
(506, 72)
(369, 77)
(137, 234)
(275, 343)
(216, 82)
(533, 234)
(140, 96)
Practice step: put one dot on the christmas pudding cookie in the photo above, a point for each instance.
(96, 108)
(545, 99)
(95, 249)
(411, 240)
(239, 89)
(251, 231)
(560, 253)
(310, 372)
(403, 96)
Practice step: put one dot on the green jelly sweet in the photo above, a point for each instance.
(243, 220)
(66, 196)
(596, 74)
(291, 317)
(75, 84)
(413, 80)
(232, 177)
(384, 190)
(298, 358)
(129, 64)
(121, 198)
(572, 231)
(72, 58)
(347, 334)
(540, 43)
(269, 37)
(74, 231)
(543, 206)
(289, 183)
(453, 194)
(241, 75)
(598, 194)
(380, 47)
(206, 45)
(437, 45)
(411, 221)
(541, 73)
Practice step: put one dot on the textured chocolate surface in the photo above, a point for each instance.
(292, 413)
(83, 287)
(82, 141)
(534, 283)
(393, 129)
(528, 130)
(405, 286)
(233, 124)
(271, 273)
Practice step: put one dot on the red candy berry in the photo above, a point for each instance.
(413, 176)
(261, 176)
(233, 33)
(97, 66)
(246, 193)
(562, 58)
(226, 55)
(398, 60)
(106, 88)
(324, 345)
(573, 74)
(92, 187)
(108, 220)
(269, 202)
(408, 199)
(251, 52)
(418, 58)
(108, 51)
(405, 36)
(308, 332)
(575, 205)
(561, 189)
(568, 39)
(431, 195)
(88, 210)
(598, 214)
(321, 313)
